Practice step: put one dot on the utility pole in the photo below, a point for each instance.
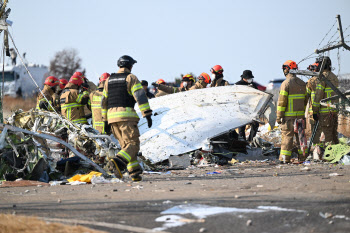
(341, 43)
(4, 27)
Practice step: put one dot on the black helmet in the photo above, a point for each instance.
(327, 60)
(126, 61)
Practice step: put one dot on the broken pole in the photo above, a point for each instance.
(338, 45)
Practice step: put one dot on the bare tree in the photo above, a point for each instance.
(65, 63)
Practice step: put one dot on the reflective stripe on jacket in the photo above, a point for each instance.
(71, 104)
(118, 114)
(48, 93)
(323, 91)
(292, 99)
(96, 109)
(311, 90)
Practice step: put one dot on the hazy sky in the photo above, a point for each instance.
(172, 37)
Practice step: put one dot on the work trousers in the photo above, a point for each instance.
(287, 130)
(318, 132)
(253, 130)
(329, 126)
(127, 133)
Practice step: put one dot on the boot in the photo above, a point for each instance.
(136, 175)
(116, 166)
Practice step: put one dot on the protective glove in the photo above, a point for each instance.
(184, 84)
(155, 84)
(315, 116)
(107, 128)
(149, 121)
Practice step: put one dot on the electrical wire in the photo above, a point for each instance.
(30, 75)
(327, 34)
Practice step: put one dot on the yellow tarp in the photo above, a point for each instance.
(84, 178)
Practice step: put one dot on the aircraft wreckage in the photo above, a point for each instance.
(187, 121)
(36, 141)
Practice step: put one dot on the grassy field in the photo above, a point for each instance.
(11, 104)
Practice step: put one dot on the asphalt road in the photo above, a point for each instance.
(241, 198)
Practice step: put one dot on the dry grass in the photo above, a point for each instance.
(24, 224)
(11, 104)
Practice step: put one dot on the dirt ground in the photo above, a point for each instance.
(15, 223)
(302, 198)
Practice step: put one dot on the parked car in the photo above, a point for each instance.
(274, 84)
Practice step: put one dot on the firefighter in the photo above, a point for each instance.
(327, 116)
(192, 80)
(185, 85)
(218, 76)
(50, 85)
(89, 86)
(96, 108)
(247, 80)
(291, 110)
(311, 89)
(56, 97)
(203, 80)
(159, 93)
(72, 102)
(121, 91)
(63, 83)
(144, 85)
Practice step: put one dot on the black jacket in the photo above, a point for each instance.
(242, 82)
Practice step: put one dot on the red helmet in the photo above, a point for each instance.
(217, 69)
(104, 77)
(205, 77)
(160, 81)
(63, 83)
(312, 67)
(51, 81)
(290, 65)
(80, 74)
(77, 80)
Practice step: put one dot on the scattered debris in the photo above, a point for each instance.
(305, 169)
(335, 174)
(326, 215)
(249, 222)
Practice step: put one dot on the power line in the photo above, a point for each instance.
(327, 34)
